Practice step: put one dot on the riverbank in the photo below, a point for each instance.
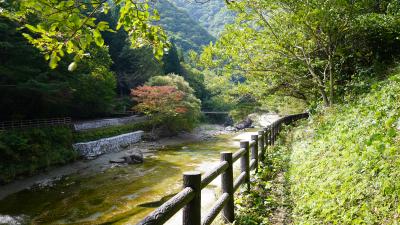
(101, 163)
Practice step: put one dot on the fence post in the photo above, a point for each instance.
(254, 150)
(244, 163)
(272, 133)
(227, 187)
(261, 144)
(266, 141)
(192, 211)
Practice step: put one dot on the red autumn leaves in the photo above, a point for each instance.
(159, 99)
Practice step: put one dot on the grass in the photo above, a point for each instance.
(268, 201)
(346, 167)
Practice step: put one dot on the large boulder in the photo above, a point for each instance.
(246, 123)
(131, 158)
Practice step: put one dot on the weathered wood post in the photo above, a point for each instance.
(261, 144)
(266, 141)
(254, 150)
(244, 163)
(272, 133)
(227, 187)
(192, 211)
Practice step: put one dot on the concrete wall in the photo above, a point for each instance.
(106, 122)
(92, 149)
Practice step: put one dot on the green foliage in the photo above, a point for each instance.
(171, 61)
(195, 78)
(69, 27)
(134, 67)
(310, 50)
(345, 165)
(212, 15)
(24, 152)
(186, 33)
(94, 85)
(31, 90)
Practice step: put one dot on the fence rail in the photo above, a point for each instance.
(189, 198)
(17, 124)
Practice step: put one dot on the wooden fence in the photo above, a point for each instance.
(16, 124)
(250, 154)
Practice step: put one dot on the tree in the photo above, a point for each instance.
(134, 67)
(169, 101)
(171, 60)
(63, 27)
(30, 89)
(301, 47)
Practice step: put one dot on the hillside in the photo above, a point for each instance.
(346, 169)
(212, 15)
(186, 33)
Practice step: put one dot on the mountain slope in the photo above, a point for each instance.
(212, 14)
(186, 33)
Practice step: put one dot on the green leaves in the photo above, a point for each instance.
(98, 38)
(54, 59)
(70, 26)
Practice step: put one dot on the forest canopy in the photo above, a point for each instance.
(308, 50)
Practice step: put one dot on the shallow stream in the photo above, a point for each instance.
(120, 195)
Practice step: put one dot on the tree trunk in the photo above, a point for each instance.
(320, 84)
(324, 95)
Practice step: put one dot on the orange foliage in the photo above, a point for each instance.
(159, 99)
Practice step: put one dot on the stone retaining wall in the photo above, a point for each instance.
(92, 149)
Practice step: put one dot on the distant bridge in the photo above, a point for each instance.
(214, 112)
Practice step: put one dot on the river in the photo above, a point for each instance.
(118, 195)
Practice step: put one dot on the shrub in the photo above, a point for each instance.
(169, 101)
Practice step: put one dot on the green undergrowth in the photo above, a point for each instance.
(345, 169)
(24, 152)
(267, 202)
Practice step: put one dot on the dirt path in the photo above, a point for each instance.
(281, 215)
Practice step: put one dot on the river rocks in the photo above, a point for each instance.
(230, 128)
(246, 123)
(47, 182)
(131, 158)
(13, 220)
(106, 122)
(93, 149)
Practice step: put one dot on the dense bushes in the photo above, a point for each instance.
(347, 169)
(26, 151)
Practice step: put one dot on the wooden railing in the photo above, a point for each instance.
(16, 124)
(190, 197)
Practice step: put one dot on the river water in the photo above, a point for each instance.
(120, 195)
